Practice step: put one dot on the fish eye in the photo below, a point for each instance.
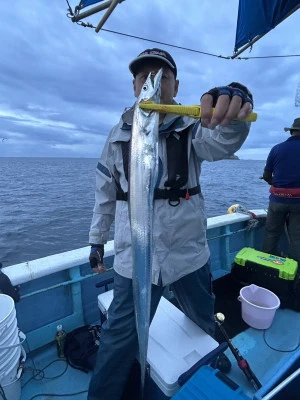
(145, 86)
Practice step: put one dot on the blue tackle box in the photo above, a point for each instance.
(210, 384)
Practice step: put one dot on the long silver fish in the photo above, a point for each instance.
(143, 177)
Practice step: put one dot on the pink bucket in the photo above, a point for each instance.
(259, 306)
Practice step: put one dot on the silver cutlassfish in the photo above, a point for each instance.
(143, 177)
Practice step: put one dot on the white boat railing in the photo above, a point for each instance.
(33, 269)
(71, 303)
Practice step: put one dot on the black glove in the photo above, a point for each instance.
(6, 286)
(96, 255)
(233, 89)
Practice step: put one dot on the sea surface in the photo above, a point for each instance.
(46, 204)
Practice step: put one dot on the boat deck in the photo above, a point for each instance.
(267, 352)
(65, 282)
(46, 376)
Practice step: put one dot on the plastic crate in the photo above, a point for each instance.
(280, 267)
(278, 274)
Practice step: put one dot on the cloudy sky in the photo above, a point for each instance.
(63, 86)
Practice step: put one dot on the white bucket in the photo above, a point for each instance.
(12, 390)
(11, 383)
(259, 306)
(9, 375)
(7, 309)
(13, 354)
(9, 334)
(10, 349)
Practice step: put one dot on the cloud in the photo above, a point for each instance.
(63, 86)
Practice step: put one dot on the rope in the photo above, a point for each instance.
(70, 14)
(253, 221)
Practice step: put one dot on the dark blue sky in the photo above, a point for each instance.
(62, 86)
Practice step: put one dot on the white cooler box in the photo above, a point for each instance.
(175, 344)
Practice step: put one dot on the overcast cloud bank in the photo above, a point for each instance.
(63, 87)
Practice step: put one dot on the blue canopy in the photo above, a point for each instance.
(86, 3)
(257, 17)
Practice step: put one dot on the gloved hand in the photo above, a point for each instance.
(230, 102)
(233, 89)
(242, 91)
(96, 258)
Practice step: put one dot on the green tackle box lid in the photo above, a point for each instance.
(287, 268)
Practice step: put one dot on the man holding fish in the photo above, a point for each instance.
(148, 182)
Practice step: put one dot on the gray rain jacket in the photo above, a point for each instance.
(179, 243)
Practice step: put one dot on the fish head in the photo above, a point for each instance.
(151, 89)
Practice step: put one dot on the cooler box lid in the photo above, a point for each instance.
(175, 344)
(104, 300)
(287, 268)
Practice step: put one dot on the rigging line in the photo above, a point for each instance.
(70, 9)
(88, 25)
(166, 44)
(193, 50)
(287, 55)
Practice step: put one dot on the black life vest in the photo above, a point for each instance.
(177, 164)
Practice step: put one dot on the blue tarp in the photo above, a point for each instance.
(257, 17)
(86, 3)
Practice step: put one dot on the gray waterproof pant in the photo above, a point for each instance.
(119, 344)
(275, 225)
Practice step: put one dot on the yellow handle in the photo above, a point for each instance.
(190, 111)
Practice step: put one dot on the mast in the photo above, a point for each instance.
(110, 5)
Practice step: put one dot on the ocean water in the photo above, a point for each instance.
(46, 203)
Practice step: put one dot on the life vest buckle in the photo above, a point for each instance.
(174, 202)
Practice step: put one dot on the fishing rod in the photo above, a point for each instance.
(242, 363)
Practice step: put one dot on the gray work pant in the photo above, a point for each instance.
(119, 344)
(275, 225)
